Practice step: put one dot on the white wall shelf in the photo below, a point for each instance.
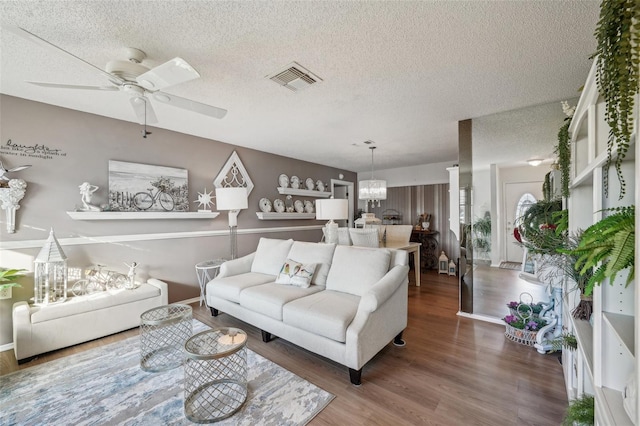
(304, 192)
(141, 215)
(284, 216)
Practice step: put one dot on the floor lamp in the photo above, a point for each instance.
(332, 209)
(232, 199)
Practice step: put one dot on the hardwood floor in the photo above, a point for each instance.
(493, 288)
(453, 370)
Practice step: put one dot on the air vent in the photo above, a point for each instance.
(294, 77)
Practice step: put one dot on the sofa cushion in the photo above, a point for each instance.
(320, 254)
(92, 302)
(296, 273)
(355, 269)
(268, 299)
(270, 255)
(327, 313)
(229, 288)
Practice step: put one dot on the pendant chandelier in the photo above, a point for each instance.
(372, 190)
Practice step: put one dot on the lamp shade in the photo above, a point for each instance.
(372, 189)
(234, 198)
(332, 209)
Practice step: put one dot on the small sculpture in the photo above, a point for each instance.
(87, 190)
(4, 179)
(131, 275)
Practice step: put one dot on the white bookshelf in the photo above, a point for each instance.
(605, 358)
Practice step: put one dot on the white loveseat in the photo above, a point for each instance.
(355, 305)
(40, 329)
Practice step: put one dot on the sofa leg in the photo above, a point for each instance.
(214, 312)
(398, 340)
(266, 336)
(28, 359)
(355, 376)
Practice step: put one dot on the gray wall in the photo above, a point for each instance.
(166, 249)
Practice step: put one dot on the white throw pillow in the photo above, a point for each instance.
(296, 273)
(355, 269)
(320, 254)
(270, 255)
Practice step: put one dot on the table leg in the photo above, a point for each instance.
(416, 263)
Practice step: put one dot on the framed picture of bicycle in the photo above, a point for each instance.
(144, 187)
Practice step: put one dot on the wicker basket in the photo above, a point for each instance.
(524, 337)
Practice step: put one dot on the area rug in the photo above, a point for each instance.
(515, 266)
(105, 385)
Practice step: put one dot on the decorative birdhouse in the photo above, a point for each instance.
(50, 275)
(443, 264)
(452, 267)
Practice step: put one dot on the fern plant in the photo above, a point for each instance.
(618, 53)
(607, 247)
(580, 411)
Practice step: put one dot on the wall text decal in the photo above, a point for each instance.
(34, 151)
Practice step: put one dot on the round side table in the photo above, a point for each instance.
(207, 271)
(215, 374)
(163, 332)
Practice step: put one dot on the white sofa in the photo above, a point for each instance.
(355, 305)
(40, 329)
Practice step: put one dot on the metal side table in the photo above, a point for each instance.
(207, 271)
(215, 374)
(163, 332)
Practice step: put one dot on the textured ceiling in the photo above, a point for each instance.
(401, 74)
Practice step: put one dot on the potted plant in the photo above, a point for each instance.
(7, 281)
(482, 234)
(580, 412)
(523, 327)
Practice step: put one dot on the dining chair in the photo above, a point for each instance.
(365, 237)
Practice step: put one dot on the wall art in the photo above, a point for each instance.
(233, 174)
(144, 187)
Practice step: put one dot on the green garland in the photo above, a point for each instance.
(563, 150)
(618, 53)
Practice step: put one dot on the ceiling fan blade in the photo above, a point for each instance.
(189, 105)
(143, 110)
(170, 73)
(72, 86)
(20, 32)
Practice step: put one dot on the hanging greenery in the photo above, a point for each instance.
(607, 248)
(563, 151)
(618, 53)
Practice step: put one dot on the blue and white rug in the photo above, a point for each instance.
(105, 385)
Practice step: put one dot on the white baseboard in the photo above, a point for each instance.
(481, 317)
(7, 347)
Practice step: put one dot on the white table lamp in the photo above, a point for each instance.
(232, 199)
(332, 209)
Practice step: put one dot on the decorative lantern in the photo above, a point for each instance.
(50, 276)
(452, 267)
(443, 264)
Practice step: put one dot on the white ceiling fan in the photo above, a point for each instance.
(135, 79)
